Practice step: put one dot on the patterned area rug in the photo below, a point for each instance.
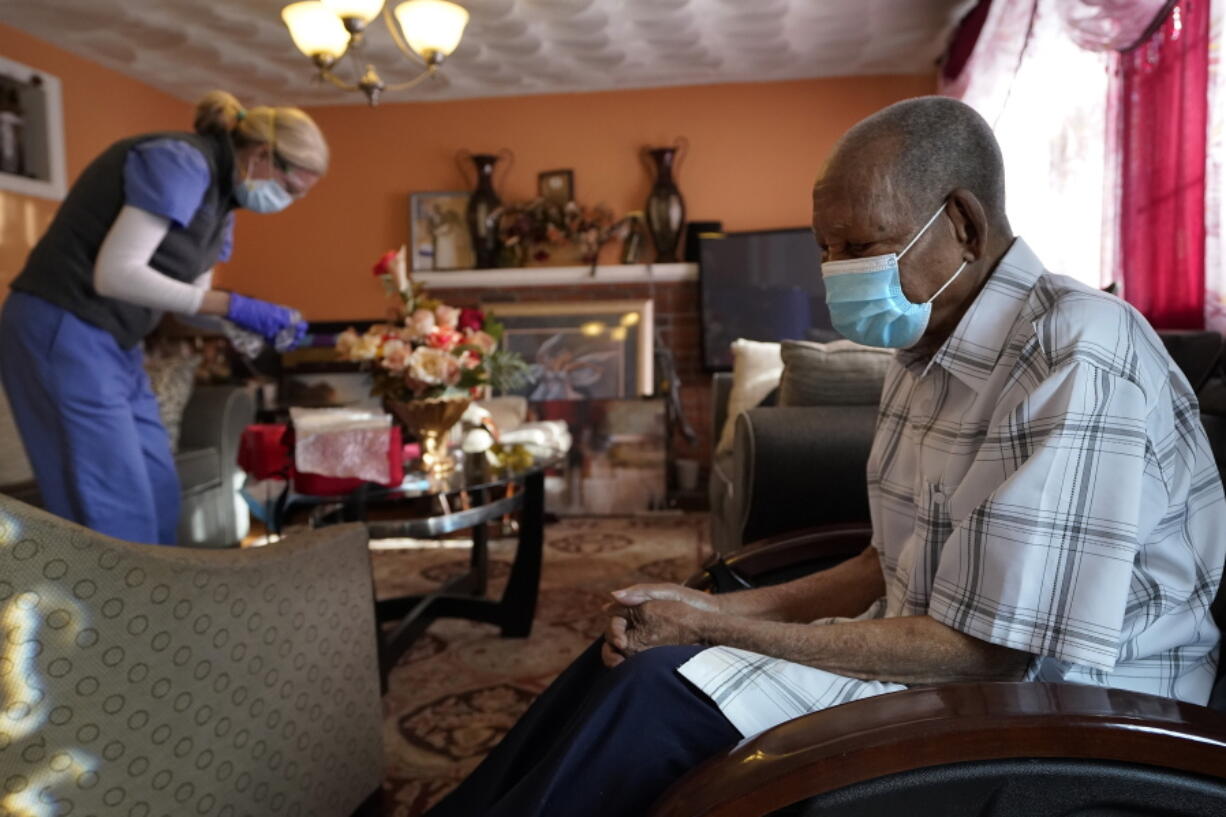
(454, 696)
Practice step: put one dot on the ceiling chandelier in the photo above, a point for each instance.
(326, 30)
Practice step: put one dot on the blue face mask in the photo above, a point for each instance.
(866, 301)
(262, 196)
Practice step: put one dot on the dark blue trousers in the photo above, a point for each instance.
(89, 423)
(598, 742)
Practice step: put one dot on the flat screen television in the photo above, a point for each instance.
(764, 285)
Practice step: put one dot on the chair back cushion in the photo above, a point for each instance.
(839, 373)
(158, 680)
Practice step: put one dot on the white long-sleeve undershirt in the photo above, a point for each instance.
(122, 269)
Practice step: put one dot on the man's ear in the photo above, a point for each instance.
(970, 222)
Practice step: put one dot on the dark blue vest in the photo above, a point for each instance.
(60, 268)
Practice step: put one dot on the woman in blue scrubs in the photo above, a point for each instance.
(137, 236)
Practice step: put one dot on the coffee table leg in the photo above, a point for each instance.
(479, 558)
(518, 604)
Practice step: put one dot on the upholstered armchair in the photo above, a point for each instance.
(961, 750)
(144, 680)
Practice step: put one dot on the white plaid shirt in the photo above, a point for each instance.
(1042, 483)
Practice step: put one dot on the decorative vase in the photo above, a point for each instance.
(484, 205)
(665, 210)
(430, 420)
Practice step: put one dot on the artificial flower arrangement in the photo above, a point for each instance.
(430, 349)
(535, 230)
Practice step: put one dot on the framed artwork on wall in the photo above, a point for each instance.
(31, 132)
(556, 186)
(438, 230)
(584, 350)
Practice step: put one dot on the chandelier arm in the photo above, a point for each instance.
(394, 28)
(326, 73)
(430, 71)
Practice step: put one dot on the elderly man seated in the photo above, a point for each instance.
(1044, 502)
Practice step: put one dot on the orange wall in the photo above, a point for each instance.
(100, 106)
(754, 152)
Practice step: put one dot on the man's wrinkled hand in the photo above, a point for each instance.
(637, 594)
(650, 624)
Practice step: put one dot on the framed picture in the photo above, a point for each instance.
(556, 186)
(439, 231)
(586, 350)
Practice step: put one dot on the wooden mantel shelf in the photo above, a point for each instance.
(558, 276)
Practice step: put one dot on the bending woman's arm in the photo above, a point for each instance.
(122, 269)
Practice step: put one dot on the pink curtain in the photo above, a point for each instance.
(1163, 103)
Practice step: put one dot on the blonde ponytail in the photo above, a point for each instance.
(290, 131)
(217, 113)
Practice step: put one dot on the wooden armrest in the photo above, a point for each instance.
(955, 723)
(822, 546)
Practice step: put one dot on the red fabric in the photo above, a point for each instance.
(262, 451)
(1163, 105)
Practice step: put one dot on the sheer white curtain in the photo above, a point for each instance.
(1046, 98)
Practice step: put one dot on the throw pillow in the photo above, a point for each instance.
(839, 373)
(172, 375)
(756, 367)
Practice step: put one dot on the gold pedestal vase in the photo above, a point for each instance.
(431, 420)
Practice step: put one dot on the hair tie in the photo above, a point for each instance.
(240, 115)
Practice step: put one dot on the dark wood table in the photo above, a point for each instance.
(468, 499)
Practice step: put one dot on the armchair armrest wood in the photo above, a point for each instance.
(788, 555)
(955, 723)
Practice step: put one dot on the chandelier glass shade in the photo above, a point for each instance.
(427, 31)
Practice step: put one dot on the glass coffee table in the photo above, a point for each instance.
(422, 507)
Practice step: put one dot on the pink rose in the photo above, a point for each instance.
(446, 316)
(347, 341)
(421, 323)
(482, 340)
(433, 367)
(470, 319)
(396, 355)
(443, 338)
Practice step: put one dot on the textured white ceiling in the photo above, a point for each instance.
(511, 47)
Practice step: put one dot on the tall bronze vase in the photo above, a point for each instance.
(665, 209)
(484, 206)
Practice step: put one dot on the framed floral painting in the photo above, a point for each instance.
(586, 350)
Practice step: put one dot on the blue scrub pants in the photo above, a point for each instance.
(89, 423)
(598, 742)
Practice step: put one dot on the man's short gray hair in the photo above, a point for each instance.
(943, 144)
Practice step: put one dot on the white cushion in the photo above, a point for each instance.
(756, 368)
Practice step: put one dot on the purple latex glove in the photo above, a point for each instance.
(261, 317)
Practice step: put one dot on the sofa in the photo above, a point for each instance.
(797, 467)
(213, 512)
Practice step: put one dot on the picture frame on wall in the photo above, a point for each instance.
(586, 350)
(556, 186)
(438, 231)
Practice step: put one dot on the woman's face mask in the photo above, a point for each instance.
(262, 195)
(866, 301)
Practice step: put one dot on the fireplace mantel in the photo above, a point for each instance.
(558, 276)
